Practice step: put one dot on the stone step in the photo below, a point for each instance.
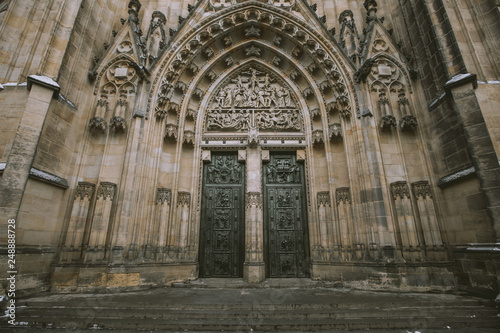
(265, 310)
(258, 312)
(263, 324)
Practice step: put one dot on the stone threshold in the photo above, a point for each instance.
(272, 283)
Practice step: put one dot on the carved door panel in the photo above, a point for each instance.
(222, 218)
(285, 218)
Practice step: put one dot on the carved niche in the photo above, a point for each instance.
(253, 99)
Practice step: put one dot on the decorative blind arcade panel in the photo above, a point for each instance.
(253, 99)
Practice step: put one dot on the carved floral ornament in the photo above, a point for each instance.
(198, 41)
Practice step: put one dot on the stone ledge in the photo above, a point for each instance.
(490, 248)
(43, 176)
(28, 249)
(457, 177)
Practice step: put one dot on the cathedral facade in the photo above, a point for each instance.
(148, 142)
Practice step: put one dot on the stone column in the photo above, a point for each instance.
(343, 198)
(254, 268)
(15, 176)
(485, 160)
(162, 222)
(434, 248)
(78, 220)
(406, 220)
(96, 249)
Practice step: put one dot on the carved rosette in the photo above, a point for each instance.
(98, 124)
(400, 190)
(422, 189)
(163, 196)
(184, 199)
(324, 198)
(118, 124)
(106, 190)
(84, 189)
(253, 199)
(343, 195)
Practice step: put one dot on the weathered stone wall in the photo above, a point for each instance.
(113, 175)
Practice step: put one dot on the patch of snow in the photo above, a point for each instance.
(458, 175)
(458, 78)
(14, 84)
(2, 166)
(494, 82)
(434, 102)
(48, 177)
(45, 79)
(484, 248)
(1, 87)
(71, 103)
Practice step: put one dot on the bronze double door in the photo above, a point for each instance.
(222, 236)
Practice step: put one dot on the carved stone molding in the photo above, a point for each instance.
(98, 124)
(335, 132)
(198, 93)
(422, 189)
(324, 198)
(184, 199)
(400, 190)
(84, 189)
(343, 194)
(163, 195)
(307, 92)
(315, 113)
(106, 190)
(253, 199)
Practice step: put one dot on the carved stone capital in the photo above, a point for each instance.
(170, 132)
(343, 194)
(387, 122)
(317, 136)
(163, 195)
(421, 189)
(400, 190)
(98, 124)
(184, 199)
(335, 132)
(106, 190)
(253, 199)
(324, 198)
(84, 189)
(407, 123)
(189, 137)
(118, 124)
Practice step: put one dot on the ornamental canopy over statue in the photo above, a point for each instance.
(253, 98)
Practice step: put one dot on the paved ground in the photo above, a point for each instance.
(245, 308)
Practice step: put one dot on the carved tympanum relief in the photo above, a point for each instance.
(253, 99)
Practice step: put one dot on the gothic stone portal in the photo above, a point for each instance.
(285, 217)
(223, 217)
